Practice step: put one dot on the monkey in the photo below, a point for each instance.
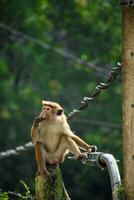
(53, 138)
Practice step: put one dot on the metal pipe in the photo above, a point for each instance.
(109, 160)
(103, 160)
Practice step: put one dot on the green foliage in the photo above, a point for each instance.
(121, 189)
(4, 196)
(121, 192)
(29, 73)
(27, 193)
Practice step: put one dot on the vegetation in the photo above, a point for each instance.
(30, 72)
(15, 195)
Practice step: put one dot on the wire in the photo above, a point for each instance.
(98, 123)
(56, 50)
(17, 150)
(127, 3)
(84, 103)
(97, 91)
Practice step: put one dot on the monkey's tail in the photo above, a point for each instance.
(65, 191)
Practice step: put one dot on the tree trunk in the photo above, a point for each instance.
(128, 100)
(45, 191)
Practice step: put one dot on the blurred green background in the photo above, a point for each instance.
(35, 69)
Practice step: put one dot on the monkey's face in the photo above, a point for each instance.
(51, 110)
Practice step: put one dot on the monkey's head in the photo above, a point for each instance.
(51, 110)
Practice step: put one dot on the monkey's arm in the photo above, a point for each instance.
(40, 152)
(39, 148)
(80, 142)
(40, 158)
(84, 145)
(35, 130)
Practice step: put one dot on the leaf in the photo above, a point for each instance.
(4, 196)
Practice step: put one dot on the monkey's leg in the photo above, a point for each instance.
(60, 152)
(71, 145)
(66, 144)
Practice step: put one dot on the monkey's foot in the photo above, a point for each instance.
(50, 178)
(127, 3)
(82, 156)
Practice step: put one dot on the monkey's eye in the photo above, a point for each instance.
(59, 112)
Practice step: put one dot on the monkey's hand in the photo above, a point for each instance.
(92, 149)
(82, 156)
(37, 120)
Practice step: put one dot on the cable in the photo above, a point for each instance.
(84, 103)
(56, 50)
(97, 91)
(17, 150)
(98, 123)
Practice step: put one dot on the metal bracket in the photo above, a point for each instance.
(103, 160)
